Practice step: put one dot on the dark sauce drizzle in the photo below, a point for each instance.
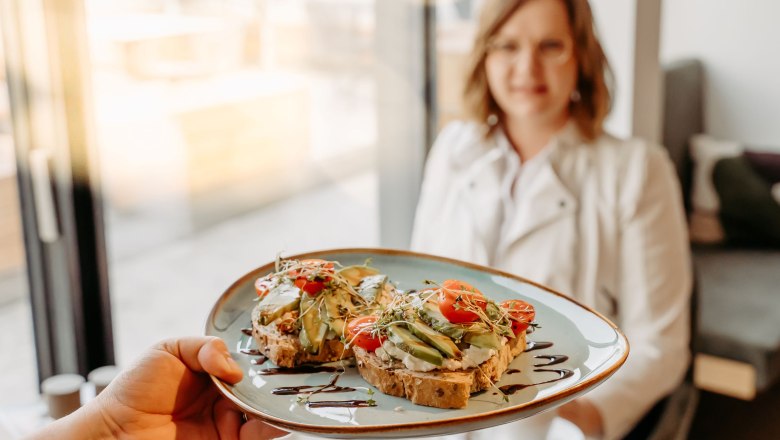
(341, 404)
(562, 374)
(534, 345)
(251, 351)
(330, 387)
(554, 359)
(303, 369)
(247, 331)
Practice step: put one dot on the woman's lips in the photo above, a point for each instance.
(528, 90)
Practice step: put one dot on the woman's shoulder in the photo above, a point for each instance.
(460, 132)
(460, 141)
(634, 166)
(630, 152)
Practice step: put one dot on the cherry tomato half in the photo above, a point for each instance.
(313, 276)
(521, 314)
(360, 333)
(310, 287)
(458, 300)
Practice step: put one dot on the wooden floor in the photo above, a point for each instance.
(721, 417)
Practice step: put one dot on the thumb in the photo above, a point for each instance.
(207, 354)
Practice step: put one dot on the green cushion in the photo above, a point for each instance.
(748, 212)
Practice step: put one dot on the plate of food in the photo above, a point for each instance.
(385, 343)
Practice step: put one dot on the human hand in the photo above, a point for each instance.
(583, 413)
(168, 394)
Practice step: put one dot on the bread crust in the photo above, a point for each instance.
(286, 351)
(439, 388)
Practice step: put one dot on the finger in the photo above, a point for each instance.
(204, 354)
(255, 429)
(228, 420)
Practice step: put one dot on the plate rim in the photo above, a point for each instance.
(422, 425)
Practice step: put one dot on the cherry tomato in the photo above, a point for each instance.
(310, 287)
(458, 299)
(520, 313)
(264, 285)
(312, 277)
(360, 333)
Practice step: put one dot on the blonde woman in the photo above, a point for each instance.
(531, 184)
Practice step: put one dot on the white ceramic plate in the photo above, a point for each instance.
(595, 347)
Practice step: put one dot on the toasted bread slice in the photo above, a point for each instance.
(285, 349)
(437, 388)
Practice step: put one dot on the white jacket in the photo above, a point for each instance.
(602, 221)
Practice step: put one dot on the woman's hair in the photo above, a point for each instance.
(593, 70)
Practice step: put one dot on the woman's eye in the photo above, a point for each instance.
(506, 47)
(551, 47)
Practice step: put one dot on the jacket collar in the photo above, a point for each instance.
(546, 198)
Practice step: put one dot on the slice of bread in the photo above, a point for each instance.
(285, 349)
(437, 388)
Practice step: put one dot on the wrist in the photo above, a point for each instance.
(88, 422)
(583, 413)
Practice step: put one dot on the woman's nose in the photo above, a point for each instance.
(526, 61)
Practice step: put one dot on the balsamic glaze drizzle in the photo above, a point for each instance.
(562, 374)
(329, 387)
(554, 359)
(303, 369)
(534, 345)
(341, 404)
(251, 351)
(259, 361)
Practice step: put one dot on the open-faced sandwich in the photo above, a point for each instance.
(437, 346)
(304, 306)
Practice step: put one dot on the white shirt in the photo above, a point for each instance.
(602, 221)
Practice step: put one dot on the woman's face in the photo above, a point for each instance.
(530, 64)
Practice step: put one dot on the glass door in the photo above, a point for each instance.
(16, 331)
(229, 132)
(213, 135)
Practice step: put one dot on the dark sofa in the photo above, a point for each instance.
(737, 335)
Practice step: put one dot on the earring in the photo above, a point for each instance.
(492, 120)
(575, 96)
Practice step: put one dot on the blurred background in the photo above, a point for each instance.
(153, 151)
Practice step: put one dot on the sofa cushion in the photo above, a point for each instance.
(704, 221)
(749, 213)
(739, 304)
(766, 163)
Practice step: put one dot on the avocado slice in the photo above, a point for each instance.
(313, 328)
(435, 339)
(492, 311)
(483, 339)
(337, 305)
(407, 342)
(431, 315)
(280, 300)
(371, 286)
(354, 274)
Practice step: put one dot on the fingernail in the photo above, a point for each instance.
(231, 363)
